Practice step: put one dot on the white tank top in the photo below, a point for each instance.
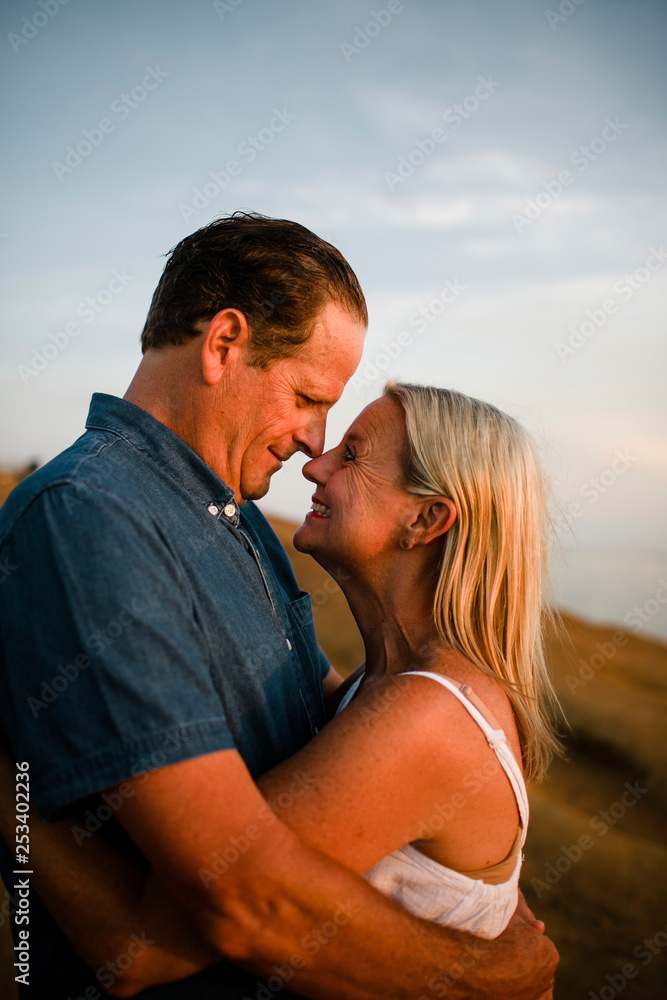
(429, 889)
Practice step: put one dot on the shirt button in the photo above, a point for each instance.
(212, 509)
(228, 511)
(289, 644)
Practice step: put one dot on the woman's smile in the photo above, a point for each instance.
(318, 509)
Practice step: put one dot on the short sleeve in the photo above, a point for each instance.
(105, 672)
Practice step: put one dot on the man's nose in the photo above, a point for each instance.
(310, 440)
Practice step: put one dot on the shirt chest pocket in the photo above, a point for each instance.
(307, 657)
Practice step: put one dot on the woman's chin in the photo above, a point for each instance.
(305, 538)
(301, 538)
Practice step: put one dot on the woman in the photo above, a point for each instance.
(432, 511)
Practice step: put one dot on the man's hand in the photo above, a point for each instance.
(524, 911)
(378, 949)
(260, 896)
(524, 944)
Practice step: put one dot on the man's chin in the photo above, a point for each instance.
(255, 491)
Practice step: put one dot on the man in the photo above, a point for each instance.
(157, 654)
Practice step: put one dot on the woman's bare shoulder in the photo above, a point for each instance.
(486, 687)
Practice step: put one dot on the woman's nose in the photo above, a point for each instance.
(317, 470)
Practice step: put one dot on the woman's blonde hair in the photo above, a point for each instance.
(490, 597)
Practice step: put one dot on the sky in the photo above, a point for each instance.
(494, 173)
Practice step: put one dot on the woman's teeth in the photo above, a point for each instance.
(320, 509)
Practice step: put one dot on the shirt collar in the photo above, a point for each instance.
(176, 458)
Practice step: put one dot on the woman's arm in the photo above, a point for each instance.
(367, 784)
(372, 780)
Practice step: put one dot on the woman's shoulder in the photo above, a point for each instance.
(487, 693)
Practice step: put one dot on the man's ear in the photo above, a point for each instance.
(226, 339)
(434, 518)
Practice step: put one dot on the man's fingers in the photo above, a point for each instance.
(523, 910)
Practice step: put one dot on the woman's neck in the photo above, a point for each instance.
(394, 613)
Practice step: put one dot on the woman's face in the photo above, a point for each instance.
(360, 510)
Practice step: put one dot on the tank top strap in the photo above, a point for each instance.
(494, 734)
(349, 695)
(495, 737)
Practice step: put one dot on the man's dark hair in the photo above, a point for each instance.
(276, 272)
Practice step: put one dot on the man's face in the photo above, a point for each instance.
(283, 409)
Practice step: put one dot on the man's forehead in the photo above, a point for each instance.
(336, 343)
(326, 372)
(322, 387)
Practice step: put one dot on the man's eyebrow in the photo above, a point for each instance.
(320, 395)
(318, 399)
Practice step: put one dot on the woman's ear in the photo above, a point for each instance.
(226, 339)
(435, 517)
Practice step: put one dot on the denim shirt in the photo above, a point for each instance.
(145, 619)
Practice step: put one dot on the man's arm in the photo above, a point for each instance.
(105, 903)
(330, 687)
(102, 900)
(334, 688)
(228, 861)
(262, 898)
